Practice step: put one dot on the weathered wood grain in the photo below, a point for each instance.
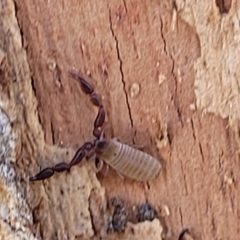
(159, 66)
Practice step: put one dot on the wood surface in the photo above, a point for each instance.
(168, 73)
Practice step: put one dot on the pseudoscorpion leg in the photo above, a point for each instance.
(60, 167)
(95, 99)
(88, 146)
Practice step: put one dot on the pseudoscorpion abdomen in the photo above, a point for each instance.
(131, 162)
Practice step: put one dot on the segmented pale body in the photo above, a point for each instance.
(129, 161)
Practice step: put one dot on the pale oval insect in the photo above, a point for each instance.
(127, 160)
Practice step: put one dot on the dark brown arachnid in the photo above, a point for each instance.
(123, 158)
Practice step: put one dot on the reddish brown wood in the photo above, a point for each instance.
(121, 45)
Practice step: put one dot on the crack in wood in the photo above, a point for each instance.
(162, 36)
(181, 216)
(201, 151)
(184, 178)
(175, 98)
(52, 133)
(91, 215)
(121, 70)
(125, 6)
(193, 130)
(59, 76)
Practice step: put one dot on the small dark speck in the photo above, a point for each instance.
(146, 212)
(116, 201)
(119, 217)
(62, 192)
(81, 187)
(119, 220)
(224, 6)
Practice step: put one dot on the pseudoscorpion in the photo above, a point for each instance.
(125, 159)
